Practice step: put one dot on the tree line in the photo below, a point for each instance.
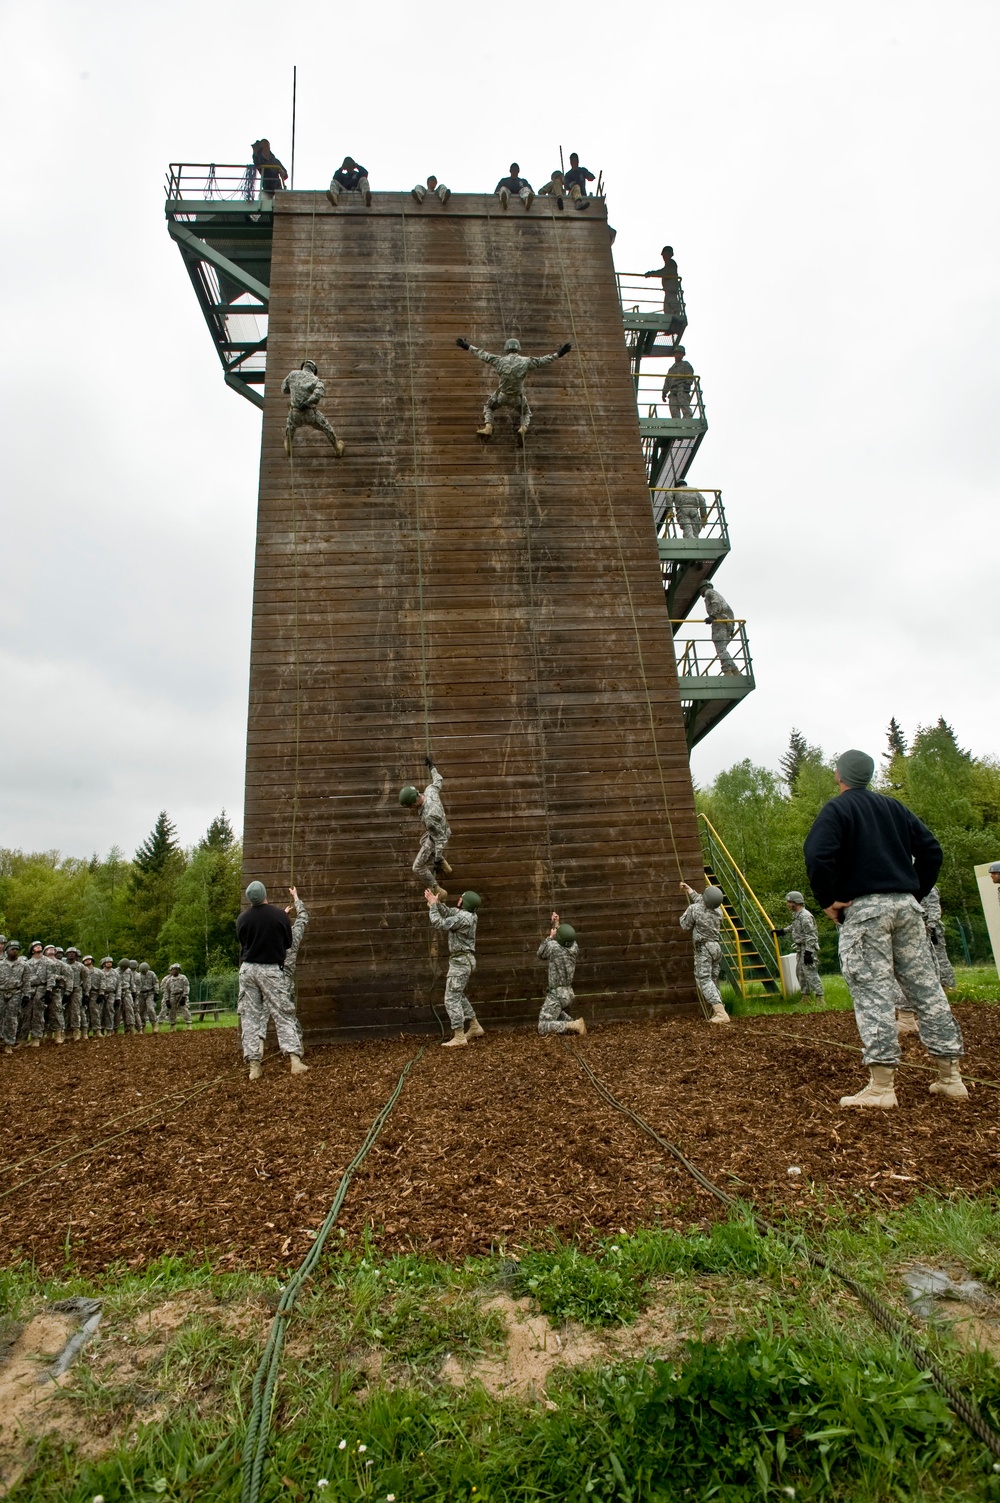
(763, 815)
(167, 904)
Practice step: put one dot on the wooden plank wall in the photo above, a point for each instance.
(501, 605)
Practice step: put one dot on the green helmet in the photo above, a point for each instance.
(471, 901)
(72, 950)
(12, 945)
(133, 965)
(566, 934)
(144, 967)
(713, 897)
(408, 796)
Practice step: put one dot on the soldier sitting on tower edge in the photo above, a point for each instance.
(421, 190)
(350, 177)
(517, 185)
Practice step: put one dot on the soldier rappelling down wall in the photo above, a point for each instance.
(305, 391)
(430, 861)
(704, 919)
(511, 368)
(560, 952)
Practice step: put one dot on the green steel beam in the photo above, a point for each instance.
(673, 550)
(238, 384)
(206, 252)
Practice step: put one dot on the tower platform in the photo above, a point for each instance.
(499, 605)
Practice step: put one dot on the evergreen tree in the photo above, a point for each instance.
(159, 847)
(200, 932)
(158, 864)
(790, 763)
(896, 740)
(219, 836)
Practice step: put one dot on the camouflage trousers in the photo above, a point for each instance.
(47, 1011)
(456, 1003)
(124, 1013)
(423, 865)
(264, 994)
(554, 1015)
(145, 1010)
(10, 1016)
(679, 403)
(884, 933)
(74, 1011)
(939, 950)
(109, 1006)
(689, 521)
(309, 417)
(722, 635)
(177, 1009)
(94, 1011)
(516, 405)
(807, 976)
(706, 971)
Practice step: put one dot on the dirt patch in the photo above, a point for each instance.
(31, 1403)
(488, 1146)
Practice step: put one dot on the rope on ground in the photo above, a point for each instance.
(904, 1064)
(880, 1312)
(93, 1147)
(266, 1377)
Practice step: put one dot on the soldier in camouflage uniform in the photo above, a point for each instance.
(146, 1003)
(690, 510)
(703, 919)
(869, 860)
(560, 951)
(13, 982)
(53, 1015)
(126, 1000)
(90, 981)
(174, 992)
(678, 385)
(430, 859)
(305, 391)
(511, 368)
(108, 987)
(298, 930)
(805, 941)
(720, 618)
(460, 925)
(668, 275)
(75, 1009)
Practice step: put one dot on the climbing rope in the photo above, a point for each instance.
(618, 543)
(266, 1377)
(880, 1312)
(416, 491)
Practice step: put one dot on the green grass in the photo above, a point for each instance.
(972, 984)
(789, 1385)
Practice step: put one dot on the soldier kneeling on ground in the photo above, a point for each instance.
(561, 952)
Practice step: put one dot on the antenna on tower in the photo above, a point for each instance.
(562, 164)
(291, 181)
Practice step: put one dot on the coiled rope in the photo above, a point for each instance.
(266, 1377)
(879, 1312)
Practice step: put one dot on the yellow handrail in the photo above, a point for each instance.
(766, 917)
(737, 951)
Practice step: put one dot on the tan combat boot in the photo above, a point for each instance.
(76, 1035)
(297, 1067)
(457, 1040)
(949, 1081)
(58, 1037)
(719, 1013)
(445, 867)
(8, 1048)
(504, 197)
(34, 1043)
(339, 448)
(255, 1070)
(577, 1026)
(475, 1030)
(439, 892)
(486, 431)
(156, 1027)
(878, 1091)
(906, 1021)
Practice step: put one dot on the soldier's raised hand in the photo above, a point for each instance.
(463, 344)
(431, 897)
(428, 760)
(564, 349)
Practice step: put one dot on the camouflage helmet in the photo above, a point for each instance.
(88, 957)
(471, 901)
(72, 950)
(3, 939)
(47, 948)
(134, 965)
(795, 897)
(60, 952)
(175, 966)
(408, 796)
(144, 966)
(309, 365)
(566, 934)
(123, 962)
(512, 347)
(12, 944)
(36, 944)
(713, 897)
(108, 960)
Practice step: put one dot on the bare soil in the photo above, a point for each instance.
(488, 1146)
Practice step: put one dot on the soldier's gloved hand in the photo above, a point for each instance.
(564, 349)
(428, 760)
(807, 956)
(463, 344)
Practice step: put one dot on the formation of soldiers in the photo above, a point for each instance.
(63, 995)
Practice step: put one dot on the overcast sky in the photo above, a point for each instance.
(827, 177)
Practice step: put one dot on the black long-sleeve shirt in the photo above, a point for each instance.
(578, 177)
(864, 842)
(265, 933)
(350, 177)
(513, 184)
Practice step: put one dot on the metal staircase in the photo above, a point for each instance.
(751, 956)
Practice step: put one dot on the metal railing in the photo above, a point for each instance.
(688, 512)
(670, 397)
(741, 898)
(698, 656)
(204, 181)
(647, 296)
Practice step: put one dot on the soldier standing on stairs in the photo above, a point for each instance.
(720, 618)
(429, 862)
(460, 924)
(870, 860)
(511, 368)
(805, 940)
(703, 918)
(560, 951)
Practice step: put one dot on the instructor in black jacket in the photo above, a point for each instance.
(870, 860)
